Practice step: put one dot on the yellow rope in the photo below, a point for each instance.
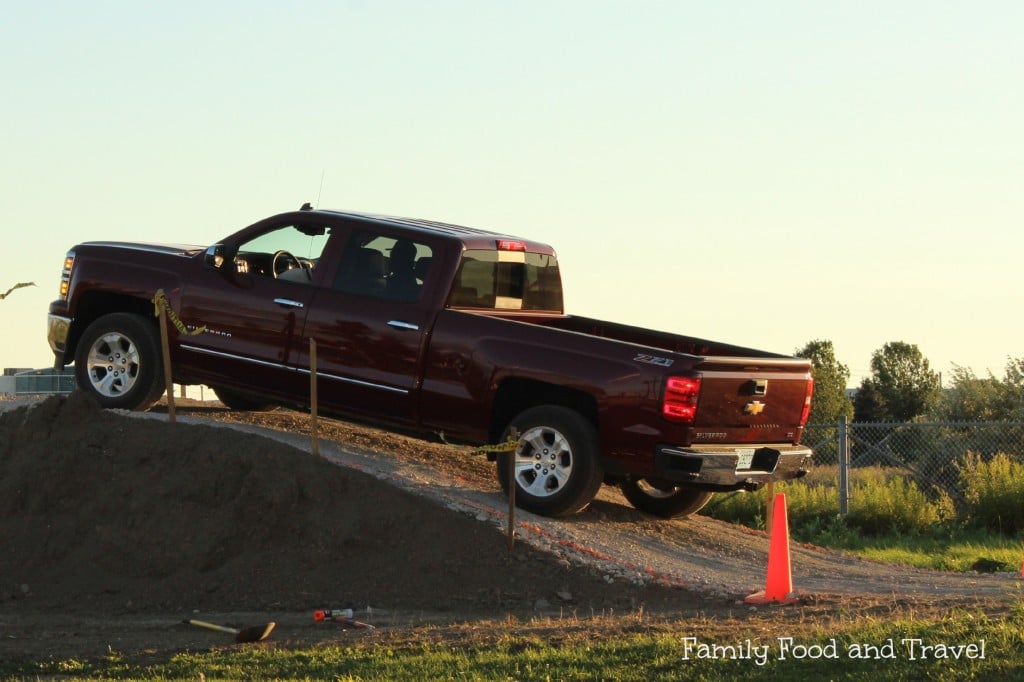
(19, 285)
(160, 301)
(509, 445)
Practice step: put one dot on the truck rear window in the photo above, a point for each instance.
(504, 280)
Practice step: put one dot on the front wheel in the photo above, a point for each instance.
(664, 499)
(118, 362)
(557, 461)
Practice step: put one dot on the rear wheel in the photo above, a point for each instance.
(118, 362)
(557, 461)
(240, 401)
(664, 499)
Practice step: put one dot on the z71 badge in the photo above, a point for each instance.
(652, 360)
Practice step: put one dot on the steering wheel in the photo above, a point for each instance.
(285, 261)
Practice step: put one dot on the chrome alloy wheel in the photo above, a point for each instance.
(113, 364)
(544, 461)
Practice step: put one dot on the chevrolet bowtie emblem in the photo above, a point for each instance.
(756, 407)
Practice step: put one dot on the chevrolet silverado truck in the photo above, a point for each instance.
(433, 328)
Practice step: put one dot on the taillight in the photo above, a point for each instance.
(807, 402)
(65, 275)
(680, 402)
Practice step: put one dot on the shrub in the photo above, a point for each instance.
(805, 503)
(894, 504)
(994, 492)
(738, 507)
(882, 499)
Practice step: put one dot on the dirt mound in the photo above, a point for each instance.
(101, 511)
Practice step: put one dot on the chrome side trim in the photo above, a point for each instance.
(299, 370)
(232, 356)
(399, 324)
(288, 302)
(355, 382)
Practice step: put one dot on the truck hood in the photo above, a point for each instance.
(168, 249)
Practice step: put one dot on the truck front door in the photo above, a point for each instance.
(254, 308)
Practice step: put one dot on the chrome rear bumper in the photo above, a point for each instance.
(732, 468)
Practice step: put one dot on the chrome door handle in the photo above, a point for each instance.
(398, 324)
(288, 302)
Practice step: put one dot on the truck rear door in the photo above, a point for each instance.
(371, 324)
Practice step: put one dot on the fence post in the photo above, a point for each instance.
(844, 466)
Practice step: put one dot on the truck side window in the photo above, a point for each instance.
(380, 266)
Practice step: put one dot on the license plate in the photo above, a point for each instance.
(746, 458)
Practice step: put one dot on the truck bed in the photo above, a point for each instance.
(675, 343)
(747, 395)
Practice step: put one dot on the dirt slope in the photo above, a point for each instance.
(103, 511)
(715, 559)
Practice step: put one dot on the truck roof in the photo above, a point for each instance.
(470, 237)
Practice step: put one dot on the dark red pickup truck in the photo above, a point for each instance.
(436, 328)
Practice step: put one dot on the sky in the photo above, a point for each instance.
(763, 174)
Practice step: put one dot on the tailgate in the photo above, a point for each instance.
(754, 400)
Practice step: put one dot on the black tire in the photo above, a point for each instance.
(664, 499)
(118, 361)
(239, 401)
(557, 461)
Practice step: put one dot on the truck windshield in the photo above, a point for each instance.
(504, 280)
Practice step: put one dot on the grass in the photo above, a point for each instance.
(954, 646)
(973, 551)
(890, 520)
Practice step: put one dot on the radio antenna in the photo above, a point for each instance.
(320, 191)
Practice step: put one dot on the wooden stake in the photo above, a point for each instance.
(313, 427)
(512, 493)
(165, 348)
(771, 507)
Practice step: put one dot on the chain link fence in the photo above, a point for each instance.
(931, 454)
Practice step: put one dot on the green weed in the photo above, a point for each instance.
(994, 490)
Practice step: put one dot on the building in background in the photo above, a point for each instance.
(21, 381)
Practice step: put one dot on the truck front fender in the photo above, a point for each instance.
(95, 293)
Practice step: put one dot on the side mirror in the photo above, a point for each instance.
(216, 256)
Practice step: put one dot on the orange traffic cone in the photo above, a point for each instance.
(779, 586)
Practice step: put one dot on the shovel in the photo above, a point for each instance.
(256, 633)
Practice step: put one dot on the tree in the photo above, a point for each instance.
(983, 399)
(867, 404)
(1013, 389)
(902, 385)
(830, 401)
